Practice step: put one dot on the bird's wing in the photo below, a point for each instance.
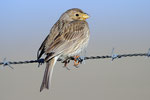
(54, 33)
(69, 35)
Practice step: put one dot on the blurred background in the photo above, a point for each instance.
(122, 24)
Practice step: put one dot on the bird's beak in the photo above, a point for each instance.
(85, 16)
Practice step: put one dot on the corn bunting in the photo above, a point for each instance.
(68, 37)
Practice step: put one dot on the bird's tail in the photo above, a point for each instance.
(48, 73)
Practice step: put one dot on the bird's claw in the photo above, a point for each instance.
(77, 60)
(65, 63)
(66, 67)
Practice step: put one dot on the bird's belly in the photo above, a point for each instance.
(77, 48)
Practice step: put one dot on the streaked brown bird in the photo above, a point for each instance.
(68, 37)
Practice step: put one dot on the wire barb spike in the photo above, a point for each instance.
(6, 63)
(40, 62)
(148, 53)
(113, 55)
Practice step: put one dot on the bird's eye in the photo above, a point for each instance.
(77, 14)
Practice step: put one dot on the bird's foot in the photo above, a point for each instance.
(77, 60)
(66, 67)
(65, 64)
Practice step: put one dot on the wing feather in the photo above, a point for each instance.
(54, 34)
(41, 50)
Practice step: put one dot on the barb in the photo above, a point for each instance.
(6, 63)
(113, 55)
(148, 54)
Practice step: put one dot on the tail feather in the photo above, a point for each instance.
(48, 73)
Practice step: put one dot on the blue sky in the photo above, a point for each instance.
(118, 21)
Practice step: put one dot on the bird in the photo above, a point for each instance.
(68, 37)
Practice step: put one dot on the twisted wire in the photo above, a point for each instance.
(40, 61)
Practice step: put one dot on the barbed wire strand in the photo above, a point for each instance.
(113, 56)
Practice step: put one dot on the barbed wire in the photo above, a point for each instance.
(112, 56)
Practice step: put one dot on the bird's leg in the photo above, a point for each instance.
(76, 61)
(65, 63)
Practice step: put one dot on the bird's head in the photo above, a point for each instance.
(74, 14)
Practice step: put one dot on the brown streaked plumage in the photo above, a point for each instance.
(68, 37)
